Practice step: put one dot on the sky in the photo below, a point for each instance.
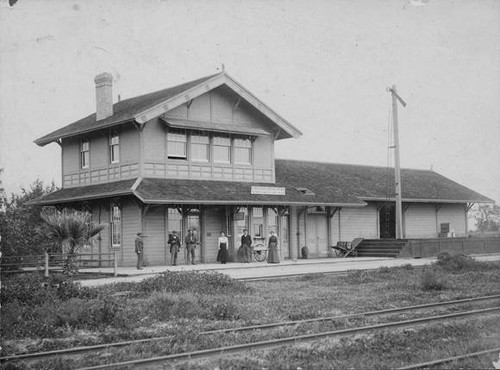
(322, 65)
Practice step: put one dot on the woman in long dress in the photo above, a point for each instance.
(273, 256)
(222, 255)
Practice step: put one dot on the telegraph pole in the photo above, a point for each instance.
(397, 168)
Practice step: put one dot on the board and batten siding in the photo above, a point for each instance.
(420, 221)
(155, 252)
(355, 223)
(455, 215)
(131, 225)
(70, 156)
(214, 224)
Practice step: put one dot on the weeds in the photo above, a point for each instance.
(430, 280)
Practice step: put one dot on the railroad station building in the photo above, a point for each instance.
(201, 155)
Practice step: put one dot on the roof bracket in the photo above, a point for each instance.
(237, 103)
(190, 101)
(469, 206)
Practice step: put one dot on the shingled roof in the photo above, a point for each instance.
(305, 183)
(123, 111)
(225, 192)
(82, 193)
(145, 107)
(374, 183)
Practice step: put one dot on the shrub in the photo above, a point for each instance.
(164, 305)
(457, 262)
(192, 281)
(430, 280)
(35, 289)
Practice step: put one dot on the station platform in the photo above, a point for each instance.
(251, 270)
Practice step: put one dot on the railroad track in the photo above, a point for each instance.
(269, 343)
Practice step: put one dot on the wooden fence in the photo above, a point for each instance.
(418, 248)
(51, 262)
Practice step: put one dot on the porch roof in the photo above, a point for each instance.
(158, 191)
(83, 193)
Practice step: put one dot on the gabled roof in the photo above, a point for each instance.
(145, 107)
(374, 183)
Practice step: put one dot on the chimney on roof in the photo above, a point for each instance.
(104, 95)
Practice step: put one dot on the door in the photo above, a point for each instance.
(316, 237)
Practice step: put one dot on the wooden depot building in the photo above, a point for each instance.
(201, 155)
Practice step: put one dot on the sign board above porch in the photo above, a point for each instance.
(267, 190)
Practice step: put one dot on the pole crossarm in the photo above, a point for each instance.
(394, 92)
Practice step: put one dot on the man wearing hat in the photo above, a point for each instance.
(139, 250)
(191, 242)
(175, 244)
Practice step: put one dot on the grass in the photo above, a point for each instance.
(41, 315)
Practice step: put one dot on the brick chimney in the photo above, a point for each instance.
(104, 95)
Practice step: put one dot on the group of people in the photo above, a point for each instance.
(191, 241)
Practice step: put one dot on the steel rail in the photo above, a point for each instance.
(368, 313)
(244, 328)
(449, 359)
(273, 343)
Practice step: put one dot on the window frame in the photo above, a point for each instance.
(197, 139)
(218, 142)
(241, 144)
(172, 135)
(116, 226)
(114, 158)
(84, 154)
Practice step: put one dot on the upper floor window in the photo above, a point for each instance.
(85, 153)
(200, 148)
(114, 148)
(116, 230)
(177, 145)
(243, 151)
(222, 149)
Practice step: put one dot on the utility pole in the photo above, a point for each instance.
(397, 168)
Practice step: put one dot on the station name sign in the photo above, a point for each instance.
(267, 190)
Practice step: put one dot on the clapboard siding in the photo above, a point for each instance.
(129, 145)
(358, 223)
(420, 221)
(455, 215)
(99, 154)
(154, 242)
(131, 225)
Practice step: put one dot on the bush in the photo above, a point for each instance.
(430, 280)
(35, 289)
(191, 281)
(457, 262)
(164, 305)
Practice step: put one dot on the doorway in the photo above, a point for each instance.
(387, 222)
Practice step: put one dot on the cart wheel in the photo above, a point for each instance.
(260, 256)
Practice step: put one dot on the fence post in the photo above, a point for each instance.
(46, 264)
(115, 264)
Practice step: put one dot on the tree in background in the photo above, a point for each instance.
(19, 223)
(487, 218)
(68, 231)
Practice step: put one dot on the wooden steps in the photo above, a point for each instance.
(380, 247)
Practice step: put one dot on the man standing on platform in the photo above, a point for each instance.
(246, 242)
(191, 242)
(139, 250)
(175, 244)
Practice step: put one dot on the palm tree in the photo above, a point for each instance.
(68, 231)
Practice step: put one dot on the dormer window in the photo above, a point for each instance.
(85, 153)
(177, 145)
(114, 148)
